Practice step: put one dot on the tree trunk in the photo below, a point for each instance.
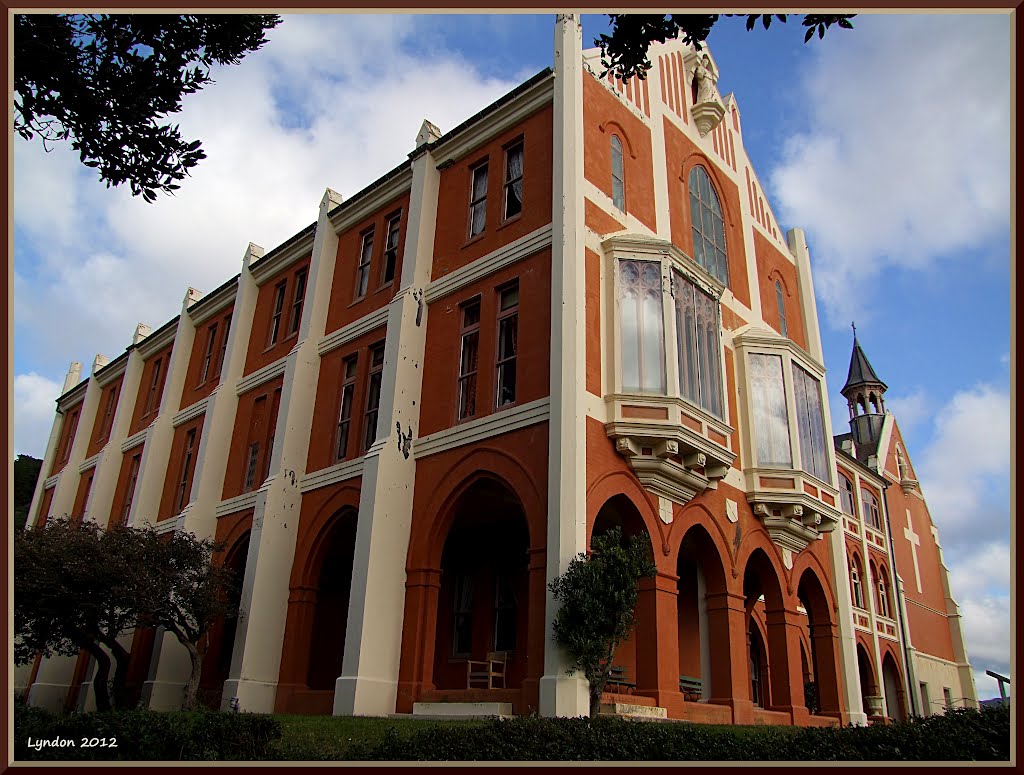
(595, 700)
(192, 687)
(99, 681)
(119, 686)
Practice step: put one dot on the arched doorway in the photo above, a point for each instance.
(483, 600)
(701, 574)
(619, 511)
(762, 593)
(217, 661)
(333, 582)
(757, 660)
(823, 686)
(868, 684)
(895, 697)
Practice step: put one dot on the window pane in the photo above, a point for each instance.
(708, 353)
(685, 343)
(807, 393)
(771, 420)
(652, 358)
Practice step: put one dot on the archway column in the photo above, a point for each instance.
(298, 631)
(422, 595)
(787, 685)
(827, 669)
(730, 673)
(536, 594)
(657, 648)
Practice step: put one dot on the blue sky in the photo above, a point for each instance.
(888, 144)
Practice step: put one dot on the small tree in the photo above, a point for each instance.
(183, 590)
(598, 595)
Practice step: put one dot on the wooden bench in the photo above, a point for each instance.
(692, 688)
(617, 677)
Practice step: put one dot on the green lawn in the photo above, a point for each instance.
(331, 736)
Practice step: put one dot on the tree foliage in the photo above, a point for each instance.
(106, 82)
(598, 595)
(624, 51)
(26, 473)
(77, 586)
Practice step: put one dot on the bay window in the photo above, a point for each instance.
(771, 419)
(697, 344)
(642, 325)
(807, 390)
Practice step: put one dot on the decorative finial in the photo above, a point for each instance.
(854, 327)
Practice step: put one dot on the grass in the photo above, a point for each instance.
(332, 736)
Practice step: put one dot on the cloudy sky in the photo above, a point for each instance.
(888, 144)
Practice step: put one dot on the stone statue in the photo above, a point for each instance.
(706, 79)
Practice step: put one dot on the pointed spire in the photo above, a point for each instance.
(860, 372)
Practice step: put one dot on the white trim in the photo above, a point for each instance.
(190, 413)
(500, 120)
(263, 270)
(340, 472)
(135, 439)
(944, 614)
(351, 215)
(91, 462)
(103, 378)
(354, 330)
(503, 421)
(69, 399)
(259, 377)
(246, 500)
(155, 342)
(487, 265)
(51, 482)
(211, 305)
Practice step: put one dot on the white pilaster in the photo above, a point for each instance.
(797, 242)
(368, 684)
(560, 694)
(72, 379)
(259, 637)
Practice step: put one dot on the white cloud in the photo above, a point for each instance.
(34, 408)
(331, 101)
(911, 410)
(906, 162)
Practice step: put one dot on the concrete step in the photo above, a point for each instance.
(629, 710)
(461, 710)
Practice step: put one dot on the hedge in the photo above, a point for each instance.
(144, 735)
(959, 735)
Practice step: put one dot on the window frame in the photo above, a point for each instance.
(780, 302)
(393, 226)
(508, 185)
(467, 396)
(186, 464)
(844, 480)
(348, 389)
(151, 393)
(695, 230)
(374, 383)
(856, 584)
(870, 509)
(298, 301)
(617, 154)
(211, 335)
(108, 414)
(508, 316)
(222, 356)
(478, 201)
(129, 495)
(251, 465)
(363, 263)
(277, 313)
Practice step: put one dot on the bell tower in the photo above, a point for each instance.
(864, 393)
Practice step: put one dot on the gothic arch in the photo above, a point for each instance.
(613, 127)
(614, 483)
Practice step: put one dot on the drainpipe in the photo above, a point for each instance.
(894, 584)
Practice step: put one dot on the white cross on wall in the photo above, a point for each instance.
(915, 541)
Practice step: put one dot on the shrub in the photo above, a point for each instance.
(144, 735)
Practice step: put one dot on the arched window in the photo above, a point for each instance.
(883, 596)
(855, 585)
(781, 302)
(846, 496)
(618, 175)
(869, 507)
(708, 225)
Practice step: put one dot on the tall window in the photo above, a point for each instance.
(363, 269)
(297, 298)
(186, 469)
(478, 200)
(69, 439)
(883, 597)
(275, 320)
(869, 507)
(391, 250)
(462, 615)
(469, 359)
(223, 347)
(780, 301)
(755, 669)
(846, 496)
(373, 394)
(813, 457)
(707, 225)
(505, 610)
(697, 345)
(508, 344)
(771, 418)
(88, 492)
(855, 584)
(152, 403)
(643, 326)
(108, 414)
(251, 464)
(348, 390)
(618, 175)
(211, 336)
(129, 495)
(275, 408)
(513, 181)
